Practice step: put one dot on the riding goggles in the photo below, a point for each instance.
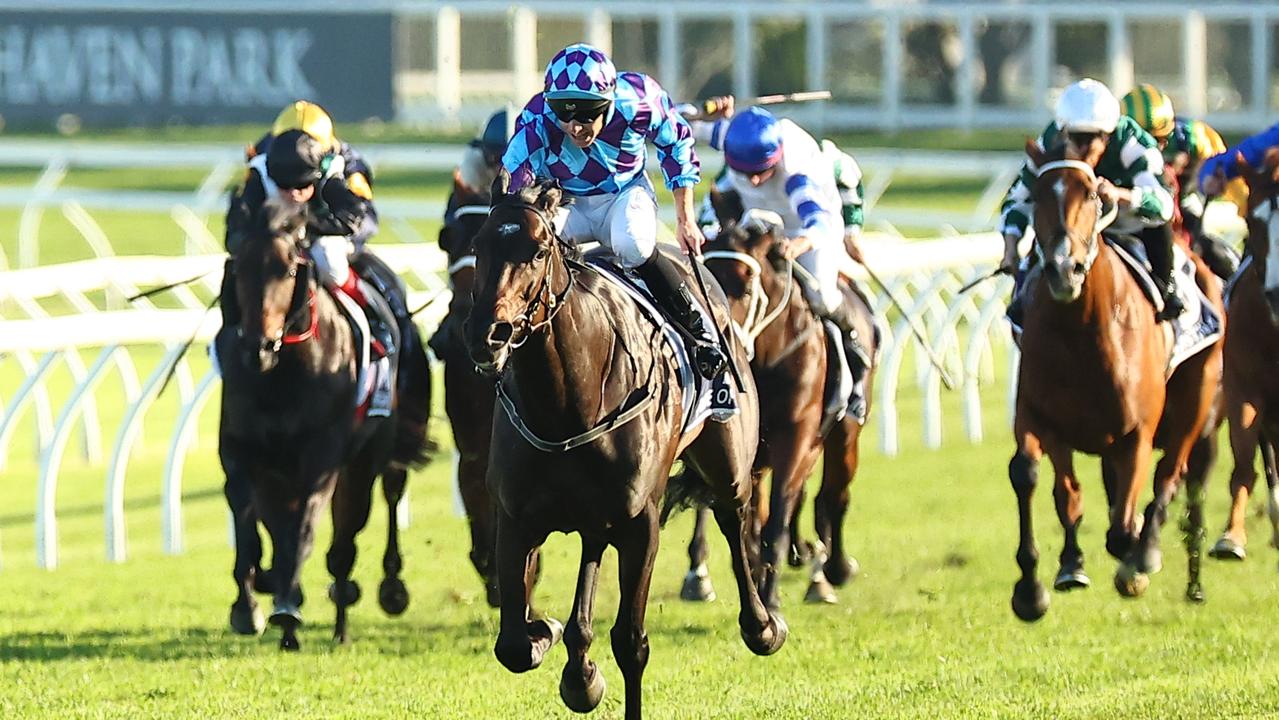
(581, 110)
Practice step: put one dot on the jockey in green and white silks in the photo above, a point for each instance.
(1131, 174)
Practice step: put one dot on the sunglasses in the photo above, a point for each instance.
(578, 110)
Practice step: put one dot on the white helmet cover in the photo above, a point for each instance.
(1087, 106)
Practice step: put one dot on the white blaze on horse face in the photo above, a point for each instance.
(508, 229)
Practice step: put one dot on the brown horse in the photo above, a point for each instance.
(577, 364)
(290, 440)
(1093, 379)
(789, 363)
(1251, 346)
(468, 395)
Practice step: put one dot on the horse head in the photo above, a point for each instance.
(1068, 219)
(1263, 224)
(747, 257)
(267, 285)
(518, 256)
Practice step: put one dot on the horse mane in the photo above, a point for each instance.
(276, 218)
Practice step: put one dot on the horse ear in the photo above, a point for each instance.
(445, 239)
(1034, 152)
(501, 185)
(550, 198)
(727, 205)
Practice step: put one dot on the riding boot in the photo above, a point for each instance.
(1016, 309)
(666, 285)
(858, 358)
(227, 298)
(1158, 242)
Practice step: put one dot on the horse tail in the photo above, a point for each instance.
(685, 490)
(412, 446)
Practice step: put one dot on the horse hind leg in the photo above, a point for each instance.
(1271, 469)
(839, 467)
(1068, 498)
(1202, 456)
(763, 630)
(582, 683)
(521, 644)
(697, 585)
(636, 544)
(246, 617)
(350, 510)
(392, 594)
(1245, 439)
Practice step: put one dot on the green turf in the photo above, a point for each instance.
(925, 631)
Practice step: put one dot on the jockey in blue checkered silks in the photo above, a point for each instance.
(589, 130)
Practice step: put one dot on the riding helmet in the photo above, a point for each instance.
(753, 142)
(1151, 109)
(580, 71)
(1087, 106)
(295, 160)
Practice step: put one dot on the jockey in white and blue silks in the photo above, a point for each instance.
(775, 165)
(589, 130)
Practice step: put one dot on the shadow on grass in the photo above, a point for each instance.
(27, 518)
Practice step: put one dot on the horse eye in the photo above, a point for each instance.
(1092, 196)
(540, 254)
(293, 271)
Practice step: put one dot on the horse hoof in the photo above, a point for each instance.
(393, 596)
(1227, 549)
(247, 620)
(1068, 580)
(527, 652)
(1195, 593)
(697, 588)
(491, 595)
(1151, 561)
(820, 592)
(582, 692)
(770, 639)
(1131, 582)
(289, 643)
(345, 593)
(1030, 600)
(840, 570)
(549, 630)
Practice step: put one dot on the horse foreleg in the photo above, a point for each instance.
(1030, 600)
(763, 630)
(392, 595)
(1202, 456)
(839, 467)
(791, 463)
(800, 550)
(521, 643)
(1068, 498)
(471, 469)
(350, 510)
(1132, 461)
(246, 618)
(697, 582)
(1245, 437)
(582, 684)
(1271, 468)
(636, 544)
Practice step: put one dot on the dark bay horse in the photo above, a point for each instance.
(468, 395)
(589, 428)
(789, 363)
(1251, 384)
(290, 440)
(1093, 379)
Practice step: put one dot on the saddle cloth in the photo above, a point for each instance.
(1194, 330)
(701, 399)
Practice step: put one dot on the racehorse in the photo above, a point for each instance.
(290, 439)
(1252, 342)
(468, 395)
(1093, 379)
(590, 426)
(789, 363)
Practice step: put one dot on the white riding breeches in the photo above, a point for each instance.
(331, 253)
(822, 262)
(625, 222)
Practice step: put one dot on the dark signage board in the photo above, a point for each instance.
(146, 68)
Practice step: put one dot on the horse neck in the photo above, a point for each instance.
(324, 352)
(560, 371)
(791, 321)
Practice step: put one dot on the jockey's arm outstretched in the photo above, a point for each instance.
(588, 130)
(1129, 165)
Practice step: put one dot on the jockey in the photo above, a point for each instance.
(1130, 170)
(588, 130)
(775, 165)
(314, 121)
(1185, 144)
(1218, 176)
(483, 156)
(297, 169)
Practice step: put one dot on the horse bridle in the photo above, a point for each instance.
(758, 316)
(303, 299)
(1104, 218)
(542, 293)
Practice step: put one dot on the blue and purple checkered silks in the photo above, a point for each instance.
(642, 112)
(580, 71)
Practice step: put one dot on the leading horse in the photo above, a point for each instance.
(577, 364)
(1093, 379)
(290, 438)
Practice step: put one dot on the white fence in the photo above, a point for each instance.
(922, 276)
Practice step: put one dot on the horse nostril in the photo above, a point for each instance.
(500, 334)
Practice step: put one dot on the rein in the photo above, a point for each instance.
(466, 261)
(758, 316)
(1104, 217)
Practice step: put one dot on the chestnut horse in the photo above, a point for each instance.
(1251, 346)
(468, 395)
(290, 440)
(590, 424)
(789, 362)
(1093, 379)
